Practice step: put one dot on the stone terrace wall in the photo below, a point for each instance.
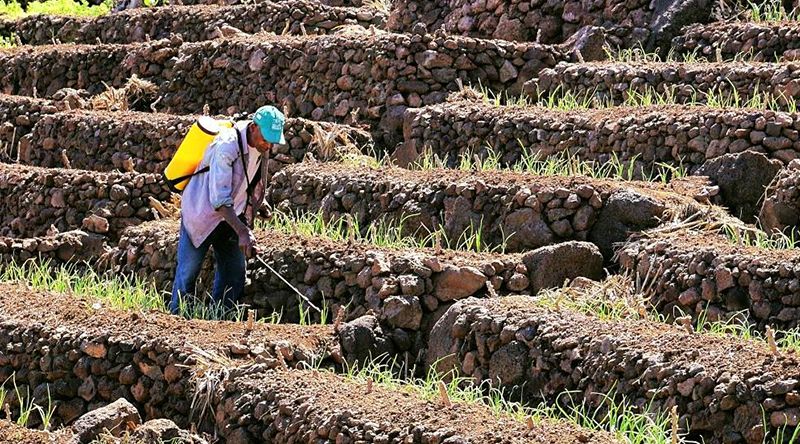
(672, 134)
(650, 364)
(324, 77)
(405, 289)
(71, 246)
(344, 3)
(312, 406)
(695, 272)
(41, 71)
(104, 141)
(192, 23)
(92, 357)
(89, 358)
(18, 115)
(541, 20)
(530, 211)
(32, 199)
(687, 82)
(781, 208)
(760, 41)
(329, 77)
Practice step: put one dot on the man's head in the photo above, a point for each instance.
(267, 128)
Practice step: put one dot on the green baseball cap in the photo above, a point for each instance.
(270, 121)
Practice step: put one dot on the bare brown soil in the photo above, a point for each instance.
(501, 178)
(280, 241)
(605, 115)
(690, 240)
(716, 354)
(403, 410)
(55, 310)
(693, 66)
(12, 433)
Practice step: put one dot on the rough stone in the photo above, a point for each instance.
(550, 266)
(113, 417)
(456, 283)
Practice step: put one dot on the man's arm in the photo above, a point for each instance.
(247, 241)
(221, 190)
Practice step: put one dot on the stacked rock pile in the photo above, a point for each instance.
(766, 42)
(545, 352)
(145, 142)
(192, 23)
(706, 274)
(35, 201)
(516, 211)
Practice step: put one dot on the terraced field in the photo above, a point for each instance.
(499, 221)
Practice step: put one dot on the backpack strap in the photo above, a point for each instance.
(172, 183)
(251, 184)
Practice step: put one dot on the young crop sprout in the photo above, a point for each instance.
(755, 237)
(384, 232)
(8, 42)
(112, 290)
(770, 11)
(605, 412)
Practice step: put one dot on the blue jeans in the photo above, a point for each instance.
(229, 275)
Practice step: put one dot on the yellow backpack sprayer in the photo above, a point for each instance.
(191, 150)
(187, 158)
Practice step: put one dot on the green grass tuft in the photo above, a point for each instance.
(73, 8)
(612, 414)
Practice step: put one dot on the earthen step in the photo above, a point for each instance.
(90, 355)
(766, 42)
(183, 370)
(527, 211)
(543, 352)
(404, 288)
(613, 82)
(374, 75)
(678, 135)
(706, 273)
(191, 23)
(627, 23)
(310, 405)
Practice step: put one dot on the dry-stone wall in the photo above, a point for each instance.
(521, 211)
(546, 352)
(92, 356)
(374, 76)
(686, 83)
(35, 201)
(405, 289)
(42, 71)
(781, 208)
(707, 274)
(344, 3)
(18, 115)
(145, 142)
(546, 21)
(192, 23)
(672, 134)
(768, 42)
(313, 406)
(70, 246)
